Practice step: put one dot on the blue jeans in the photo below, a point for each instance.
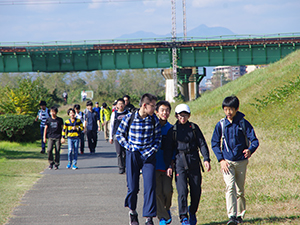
(42, 135)
(73, 146)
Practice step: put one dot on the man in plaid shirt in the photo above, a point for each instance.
(141, 139)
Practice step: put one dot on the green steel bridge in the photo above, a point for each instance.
(145, 53)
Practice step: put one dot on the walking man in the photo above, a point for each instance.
(43, 115)
(140, 134)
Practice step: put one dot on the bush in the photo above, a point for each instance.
(19, 128)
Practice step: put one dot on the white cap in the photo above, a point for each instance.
(182, 108)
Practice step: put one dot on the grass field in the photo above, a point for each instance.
(20, 167)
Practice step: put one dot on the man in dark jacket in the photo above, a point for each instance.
(184, 139)
(91, 125)
(128, 106)
(235, 132)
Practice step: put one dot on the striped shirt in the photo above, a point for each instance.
(43, 116)
(68, 129)
(140, 135)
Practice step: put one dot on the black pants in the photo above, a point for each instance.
(92, 140)
(82, 142)
(56, 143)
(121, 154)
(191, 177)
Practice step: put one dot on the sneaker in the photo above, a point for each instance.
(69, 165)
(239, 220)
(162, 221)
(74, 167)
(193, 218)
(81, 152)
(121, 171)
(56, 167)
(185, 221)
(232, 221)
(133, 219)
(149, 221)
(50, 167)
(169, 220)
(42, 151)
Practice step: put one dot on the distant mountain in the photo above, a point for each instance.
(205, 31)
(200, 31)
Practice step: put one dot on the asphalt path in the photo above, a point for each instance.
(93, 194)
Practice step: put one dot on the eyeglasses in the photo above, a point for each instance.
(183, 116)
(153, 106)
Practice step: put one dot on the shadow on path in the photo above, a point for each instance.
(272, 219)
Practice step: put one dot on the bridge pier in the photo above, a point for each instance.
(188, 79)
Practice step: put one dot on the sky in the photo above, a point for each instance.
(113, 18)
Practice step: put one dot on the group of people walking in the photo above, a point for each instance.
(146, 143)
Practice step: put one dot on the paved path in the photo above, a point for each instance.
(93, 194)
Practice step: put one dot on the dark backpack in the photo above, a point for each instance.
(194, 137)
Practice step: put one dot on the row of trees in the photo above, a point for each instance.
(23, 91)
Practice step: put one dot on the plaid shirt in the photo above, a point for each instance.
(140, 135)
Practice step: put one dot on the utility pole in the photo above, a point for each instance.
(184, 19)
(174, 50)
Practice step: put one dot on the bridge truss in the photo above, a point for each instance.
(146, 53)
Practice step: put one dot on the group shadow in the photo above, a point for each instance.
(272, 219)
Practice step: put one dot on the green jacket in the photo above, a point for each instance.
(105, 114)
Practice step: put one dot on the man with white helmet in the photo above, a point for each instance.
(184, 139)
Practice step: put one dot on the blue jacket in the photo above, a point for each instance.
(160, 163)
(235, 139)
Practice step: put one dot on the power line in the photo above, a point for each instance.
(60, 2)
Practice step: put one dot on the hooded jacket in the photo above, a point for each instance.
(235, 139)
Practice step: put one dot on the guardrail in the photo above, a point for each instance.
(86, 43)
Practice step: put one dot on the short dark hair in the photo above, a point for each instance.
(146, 98)
(54, 108)
(71, 109)
(126, 96)
(165, 103)
(120, 100)
(231, 101)
(42, 103)
(77, 106)
(89, 103)
(104, 105)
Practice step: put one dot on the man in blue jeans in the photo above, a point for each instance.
(140, 134)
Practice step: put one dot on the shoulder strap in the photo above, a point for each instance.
(222, 122)
(243, 126)
(129, 123)
(194, 130)
(153, 123)
(175, 132)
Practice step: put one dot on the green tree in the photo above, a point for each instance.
(25, 98)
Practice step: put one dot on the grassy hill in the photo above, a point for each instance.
(270, 99)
